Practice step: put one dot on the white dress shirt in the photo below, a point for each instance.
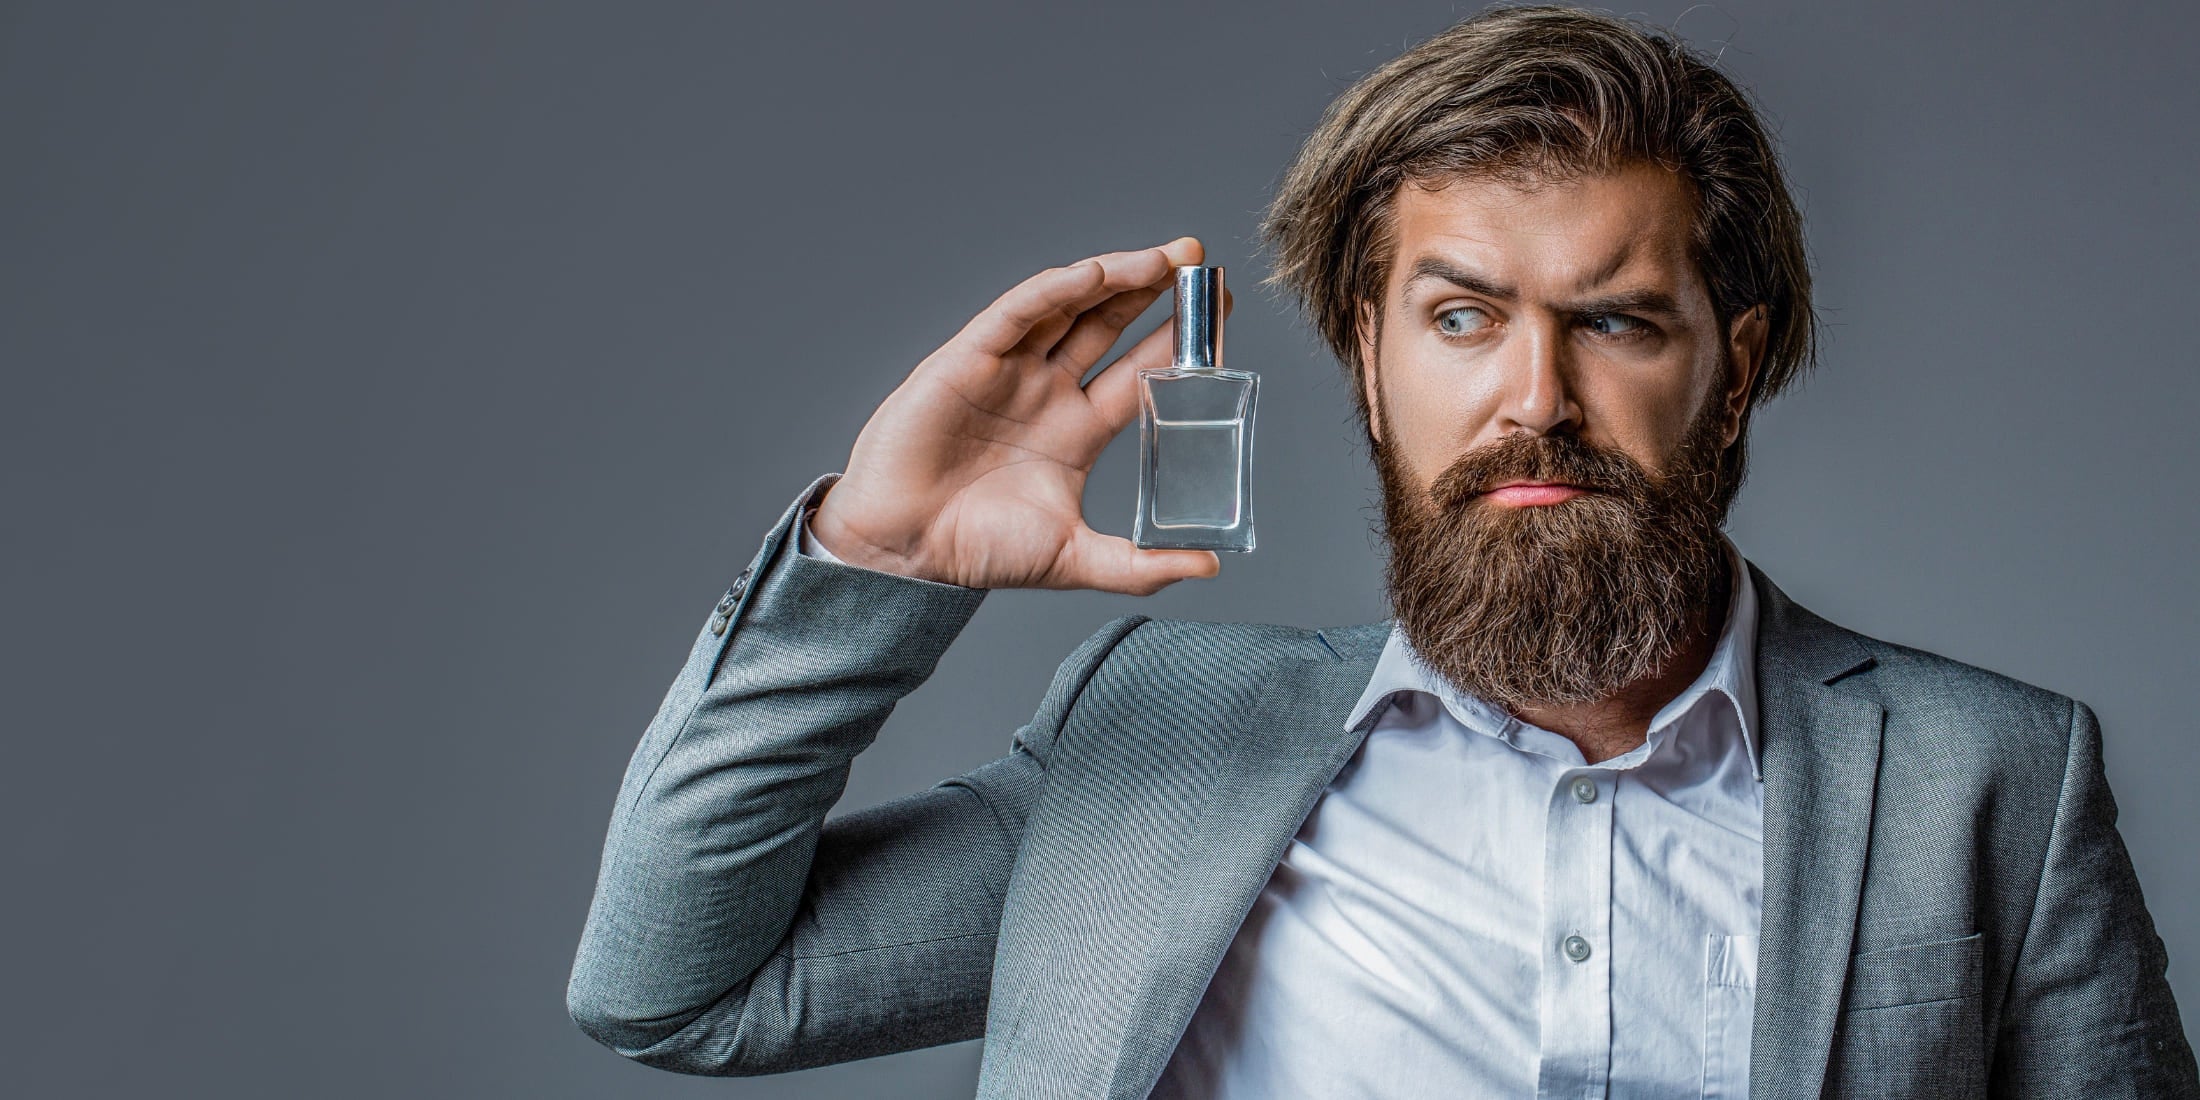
(1473, 910)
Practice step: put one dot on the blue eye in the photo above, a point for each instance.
(1631, 325)
(1445, 324)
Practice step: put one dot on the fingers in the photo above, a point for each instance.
(1102, 323)
(1011, 317)
(1127, 273)
(1097, 329)
(1037, 311)
(1114, 391)
(1112, 563)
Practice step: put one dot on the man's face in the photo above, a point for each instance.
(1559, 335)
(1572, 308)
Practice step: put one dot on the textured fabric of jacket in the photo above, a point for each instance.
(1948, 910)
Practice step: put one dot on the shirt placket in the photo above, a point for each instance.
(1576, 986)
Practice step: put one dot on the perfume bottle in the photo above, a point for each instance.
(1195, 433)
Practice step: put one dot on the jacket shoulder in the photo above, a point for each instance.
(1172, 654)
(1945, 714)
(1136, 662)
(1926, 694)
(1921, 680)
(1178, 670)
(1232, 639)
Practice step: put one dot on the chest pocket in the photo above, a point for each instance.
(1910, 1023)
(1730, 997)
(1915, 974)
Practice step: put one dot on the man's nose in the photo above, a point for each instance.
(1538, 393)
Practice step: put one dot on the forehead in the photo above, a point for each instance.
(1626, 228)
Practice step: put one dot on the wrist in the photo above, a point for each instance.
(825, 531)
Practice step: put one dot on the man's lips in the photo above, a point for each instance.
(1526, 493)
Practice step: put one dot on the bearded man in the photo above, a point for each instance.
(1599, 812)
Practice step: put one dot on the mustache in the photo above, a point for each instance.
(1527, 456)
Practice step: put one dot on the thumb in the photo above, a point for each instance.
(1112, 563)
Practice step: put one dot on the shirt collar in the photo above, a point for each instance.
(1730, 672)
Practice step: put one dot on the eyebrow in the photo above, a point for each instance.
(1642, 300)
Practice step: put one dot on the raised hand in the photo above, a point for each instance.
(973, 471)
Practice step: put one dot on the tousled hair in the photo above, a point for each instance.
(1539, 93)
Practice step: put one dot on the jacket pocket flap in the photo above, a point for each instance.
(1916, 973)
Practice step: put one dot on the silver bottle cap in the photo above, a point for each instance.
(1198, 318)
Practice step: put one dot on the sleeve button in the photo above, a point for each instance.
(733, 594)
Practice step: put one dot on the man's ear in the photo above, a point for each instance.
(1366, 333)
(1745, 345)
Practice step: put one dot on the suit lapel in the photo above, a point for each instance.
(1275, 772)
(1821, 761)
(1821, 767)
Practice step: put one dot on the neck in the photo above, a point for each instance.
(1620, 722)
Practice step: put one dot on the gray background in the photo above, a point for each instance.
(391, 389)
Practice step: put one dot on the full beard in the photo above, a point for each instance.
(1560, 603)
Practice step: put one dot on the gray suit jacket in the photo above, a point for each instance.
(1948, 910)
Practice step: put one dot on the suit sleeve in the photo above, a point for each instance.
(734, 930)
(2089, 1012)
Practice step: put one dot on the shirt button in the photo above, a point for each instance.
(718, 624)
(1585, 789)
(1577, 948)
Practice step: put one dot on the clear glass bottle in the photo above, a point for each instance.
(1195, 433)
